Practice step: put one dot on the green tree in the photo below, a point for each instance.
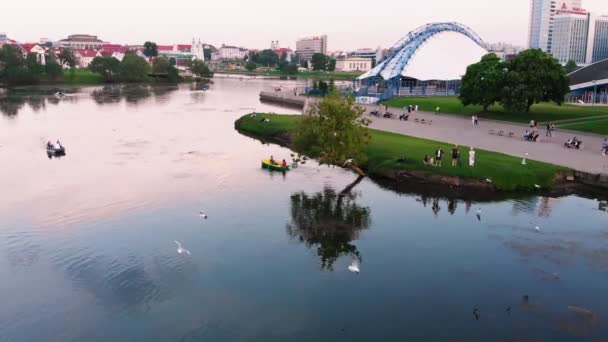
(250, 66)
(533, 77)
(319, 62)
(31, 63)
(108, 67)
(289, 68)
(14, 68)
(570, 66)
(68, 57)
(162, 65)
(200, 69)
(150, 49)
(482, 83)
(133, 68)
(53, 70)
(334, 131)
(331, 65)
(266, 58)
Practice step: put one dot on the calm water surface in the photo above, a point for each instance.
(87, 248)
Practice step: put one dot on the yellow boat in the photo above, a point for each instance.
(266, 164)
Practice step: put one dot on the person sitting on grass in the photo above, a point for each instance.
(428, 161)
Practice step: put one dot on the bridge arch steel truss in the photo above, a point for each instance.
(386, 76)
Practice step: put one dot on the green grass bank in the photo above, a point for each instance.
(385, 149)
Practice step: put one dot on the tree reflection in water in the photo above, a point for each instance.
(328, 221)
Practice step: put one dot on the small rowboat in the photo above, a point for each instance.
(56, 151)
(266, 164)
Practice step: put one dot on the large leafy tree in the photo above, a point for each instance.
(133, 68)
(334, 132)
(53, 70)
(150, 49)
(200, 69)
(570, 66)
(108, 67)
(533, 77)
(481, 85)
(319, 62)
(16, 70)
(68, 57)
(162, 65)
(266, 58)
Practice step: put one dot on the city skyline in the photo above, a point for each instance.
(348, 27)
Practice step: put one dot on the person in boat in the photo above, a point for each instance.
(49, 145)
(284, 163)
(58, 145)
(272, 161)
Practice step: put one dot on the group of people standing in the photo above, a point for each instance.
(410, 108)
(437, 158)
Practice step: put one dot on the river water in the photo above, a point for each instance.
(87, 249)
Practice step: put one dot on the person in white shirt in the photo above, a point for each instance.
(472, 157)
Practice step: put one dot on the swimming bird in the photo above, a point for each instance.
(348, 162)
(180, 249)
(478, 214)
(203, 215)
(537, 228)
(354, 266)
(537, 186)
(476, 313)
(488, 180)
(508, 310)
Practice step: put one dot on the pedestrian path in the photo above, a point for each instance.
(459, 130)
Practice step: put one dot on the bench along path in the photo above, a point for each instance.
(459, 130)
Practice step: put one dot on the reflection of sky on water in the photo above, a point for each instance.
(86, 241)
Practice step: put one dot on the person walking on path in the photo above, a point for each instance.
(548, 134)
(473, 120)
(416, 108)
(476, 121)
(455, 155)
(472, 157)
(437, 110)
(438, 156)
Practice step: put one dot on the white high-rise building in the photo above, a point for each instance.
(542, 17)
(570, 36)
(306, 47)
(598, 37)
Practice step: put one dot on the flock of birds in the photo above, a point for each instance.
(180, 247)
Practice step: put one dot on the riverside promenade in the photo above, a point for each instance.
(459, 130)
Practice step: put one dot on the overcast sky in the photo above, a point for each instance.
(349, 24)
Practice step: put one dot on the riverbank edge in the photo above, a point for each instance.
(564, 182)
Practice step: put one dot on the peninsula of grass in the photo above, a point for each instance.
(81, 77)
(542, 112)
(385, 149)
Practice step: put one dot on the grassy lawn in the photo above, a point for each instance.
(542, 112)
(595, 126)
(81, 76)
(385, 149)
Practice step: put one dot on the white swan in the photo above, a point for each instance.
(180, 249)
(354, 267)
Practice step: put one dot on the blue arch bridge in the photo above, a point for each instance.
(385, 79)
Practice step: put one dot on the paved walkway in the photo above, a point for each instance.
(459, 130)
